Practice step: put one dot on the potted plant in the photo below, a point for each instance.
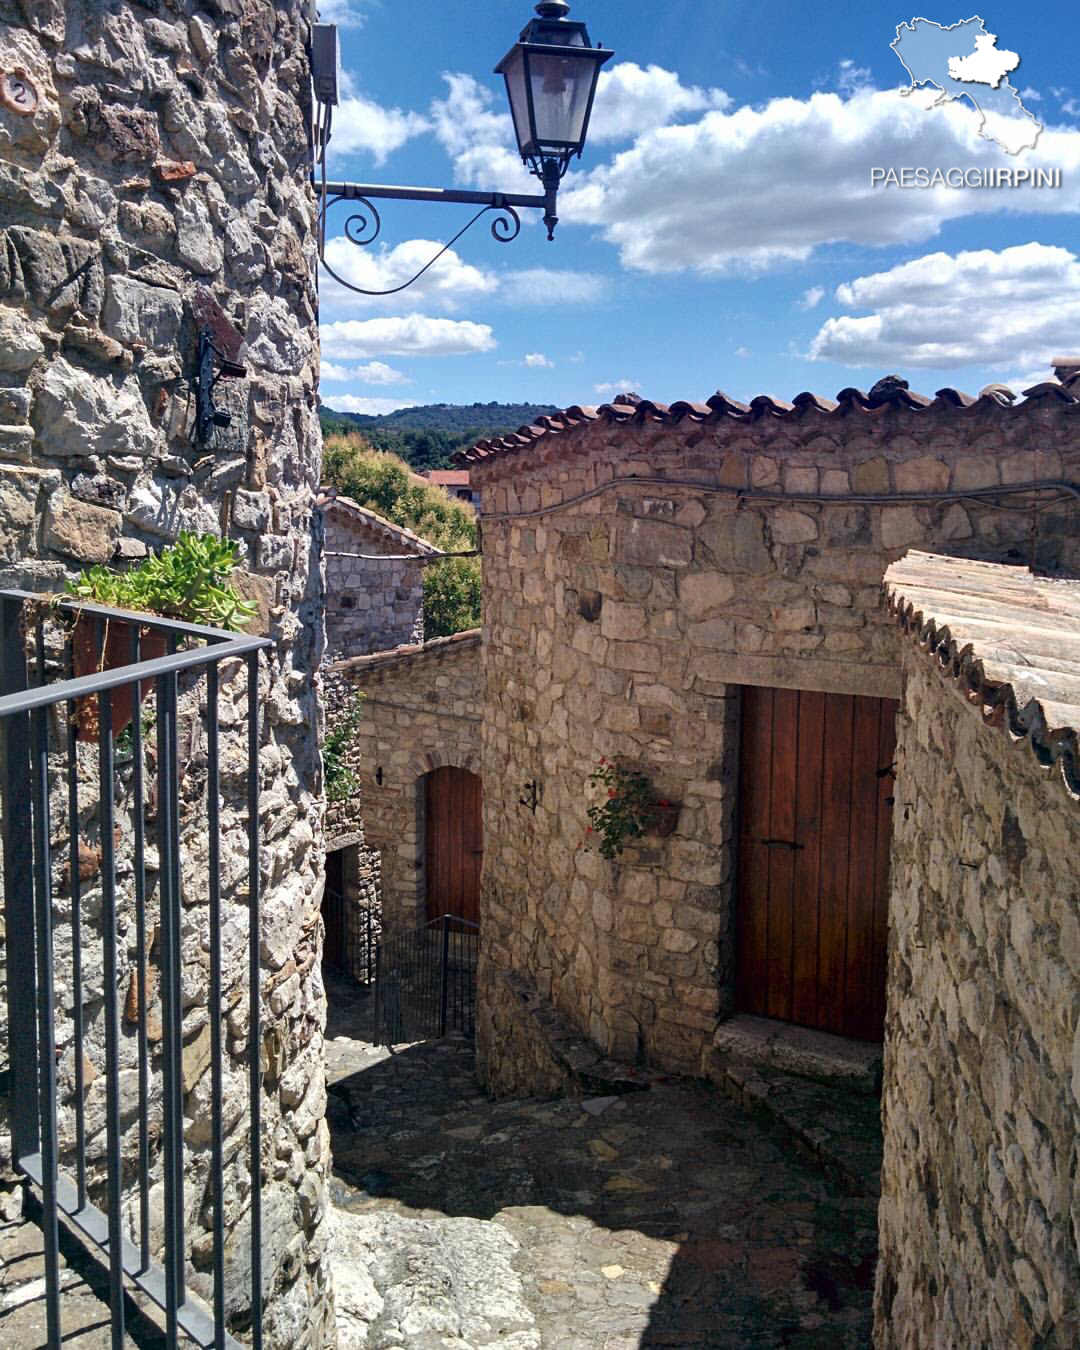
(188, 581)
(626, 810)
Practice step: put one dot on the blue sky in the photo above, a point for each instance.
(721, 230)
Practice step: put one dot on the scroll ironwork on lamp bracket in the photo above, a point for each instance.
(363, 227)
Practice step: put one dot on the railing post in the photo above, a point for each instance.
(377, 1029)
(18, 889)
(445, 973)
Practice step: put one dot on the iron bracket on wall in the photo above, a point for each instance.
(531, 796)
(211, 365)
(364, 226)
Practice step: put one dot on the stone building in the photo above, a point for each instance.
(374, 579)
(694, 593)
(154, 178)
(982, 1057)
(417, 736)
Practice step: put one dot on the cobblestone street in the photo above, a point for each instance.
(667, 1217)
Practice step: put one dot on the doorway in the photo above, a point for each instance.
(454, 848)
(815, 823)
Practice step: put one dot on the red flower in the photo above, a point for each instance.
(588, 829)
(665, 804)
(603, 760)
(611, 792)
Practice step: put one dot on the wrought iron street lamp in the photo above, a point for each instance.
(551, 76)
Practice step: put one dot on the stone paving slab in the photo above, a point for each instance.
(665, 1218)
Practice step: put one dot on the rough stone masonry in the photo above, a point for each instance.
(982, 1085)
(154, 161)
(623, 611)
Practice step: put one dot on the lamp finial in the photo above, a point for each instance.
(553, 9)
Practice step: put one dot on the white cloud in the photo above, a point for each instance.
(373, 407)
(851, 78)
(811, 298)
(478, 134)
(743, 352)
(762, 186)
(405, 335)
(1001, 309)
(1071, 107)
(342, 12)
(479, 141)
(375, 372)
(550, 286)
(1018, 383)
(1030, 95)
(538, 361)
(612, 387)
(378, 268)
(630, 100)
(361, 125)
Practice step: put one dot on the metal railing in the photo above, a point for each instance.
(425, 982)
(47, 713)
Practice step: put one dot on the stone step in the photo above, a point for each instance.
(840, 1125)
(800, 1051)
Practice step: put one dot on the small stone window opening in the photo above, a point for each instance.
(348, 602)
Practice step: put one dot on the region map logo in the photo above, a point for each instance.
(964, 61)
(950, 62)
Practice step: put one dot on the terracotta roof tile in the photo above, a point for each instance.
(891, 393)
(1010, 641)
(330, 500)
(395, 656)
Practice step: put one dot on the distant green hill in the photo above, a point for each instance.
(426, 437)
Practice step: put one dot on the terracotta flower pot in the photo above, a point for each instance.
(662, 818)
(87, 660)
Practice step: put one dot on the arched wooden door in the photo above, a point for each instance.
(455, 843)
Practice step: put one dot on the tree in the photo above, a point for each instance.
(383, 483)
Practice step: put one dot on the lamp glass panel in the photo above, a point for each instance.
(514, 71)
(561, 86)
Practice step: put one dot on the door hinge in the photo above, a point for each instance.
(782, 843)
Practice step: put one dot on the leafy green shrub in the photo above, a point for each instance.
(187, 580)
(340, 780)
(453, 592)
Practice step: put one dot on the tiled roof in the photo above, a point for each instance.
(1009, 639)
(379, 526)
(448, 477)
(394, 656)
(891, 392)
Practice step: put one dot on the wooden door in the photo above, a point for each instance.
(455, 846)
(815, 819)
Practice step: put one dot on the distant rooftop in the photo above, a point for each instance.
(447, 477)
(330, 500)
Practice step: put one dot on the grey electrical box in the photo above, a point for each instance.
(325, 62)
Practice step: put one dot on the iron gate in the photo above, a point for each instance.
(425, 982)
(46, 712)
(352, 935)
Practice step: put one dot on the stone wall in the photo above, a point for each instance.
(158, 167)
(620, 624)
(420, 711)
(373, 602)
(982, 1061)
